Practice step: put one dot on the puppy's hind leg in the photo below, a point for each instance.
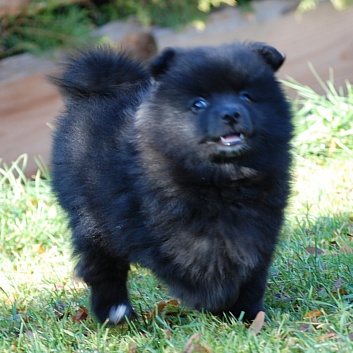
(106, 276)
(250, 300)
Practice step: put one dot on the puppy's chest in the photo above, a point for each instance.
(216, 247)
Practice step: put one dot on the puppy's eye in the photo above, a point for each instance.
(245, 97)
(198, 105)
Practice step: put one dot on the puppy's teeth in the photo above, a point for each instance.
(231, 140)
(241, 136)
(224, 141)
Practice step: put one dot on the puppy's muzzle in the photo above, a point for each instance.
(237, 117)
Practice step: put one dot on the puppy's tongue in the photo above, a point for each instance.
(230, 140)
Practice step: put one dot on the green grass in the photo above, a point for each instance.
(324, 124)
(309, 299)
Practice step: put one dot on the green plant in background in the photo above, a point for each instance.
(306, 5)
(166, 13)
(44, 25)
(324, 123)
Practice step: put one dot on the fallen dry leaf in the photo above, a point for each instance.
(194, 339)
(256, 326)
(332, 147)
(59, 286)
(337, 288)
(326, 336)
(280, 296)
(314, 250)
(193, 345)
(167, 334)
(29, 334)
(81, 314)
(349, 226)
(316, 324)
(20, 314)
(38, 248)
(59, 310)
(160, 306)
(10, 299)
(26, 318)
(33, 201)
(346, 248)
(338, 283)
(312, 314)
(133, 348)
(305, 328)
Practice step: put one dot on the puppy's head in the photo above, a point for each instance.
(216, 106)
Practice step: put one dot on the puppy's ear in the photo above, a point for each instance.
(160, 65)
(269, 54)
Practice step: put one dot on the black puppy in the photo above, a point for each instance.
(183, 168)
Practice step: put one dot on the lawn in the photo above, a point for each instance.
(309, 299)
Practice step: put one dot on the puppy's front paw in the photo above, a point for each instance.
(118, 313)
(110, 302)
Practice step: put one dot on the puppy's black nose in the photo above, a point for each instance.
(237, 117)
(230, 117)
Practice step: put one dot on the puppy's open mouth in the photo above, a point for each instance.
(228, 146)
(228, 140)
(231, 140)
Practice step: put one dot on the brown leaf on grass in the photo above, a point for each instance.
(341, 291)
(349, 226)
(346, 248)
(332, 147)
(312, 314)
(305, 328)
(314, 250)
(193, 345)
(59, 286)
(132, 348)
(33, 201)
(167, 334)
(326, 337)
(81, 314)
(314, 324)
(334, 243)
(160, 306)
(26, 318)
(257, 324)
(29, 334)
(10, 299)
(280, 296)
(38, 248)
(338, 283)
(194, 339)
(337, 288)
(20, 314)
(59, 310)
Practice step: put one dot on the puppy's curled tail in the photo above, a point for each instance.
(100, 71)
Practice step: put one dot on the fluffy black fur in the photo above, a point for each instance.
(183, 168)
